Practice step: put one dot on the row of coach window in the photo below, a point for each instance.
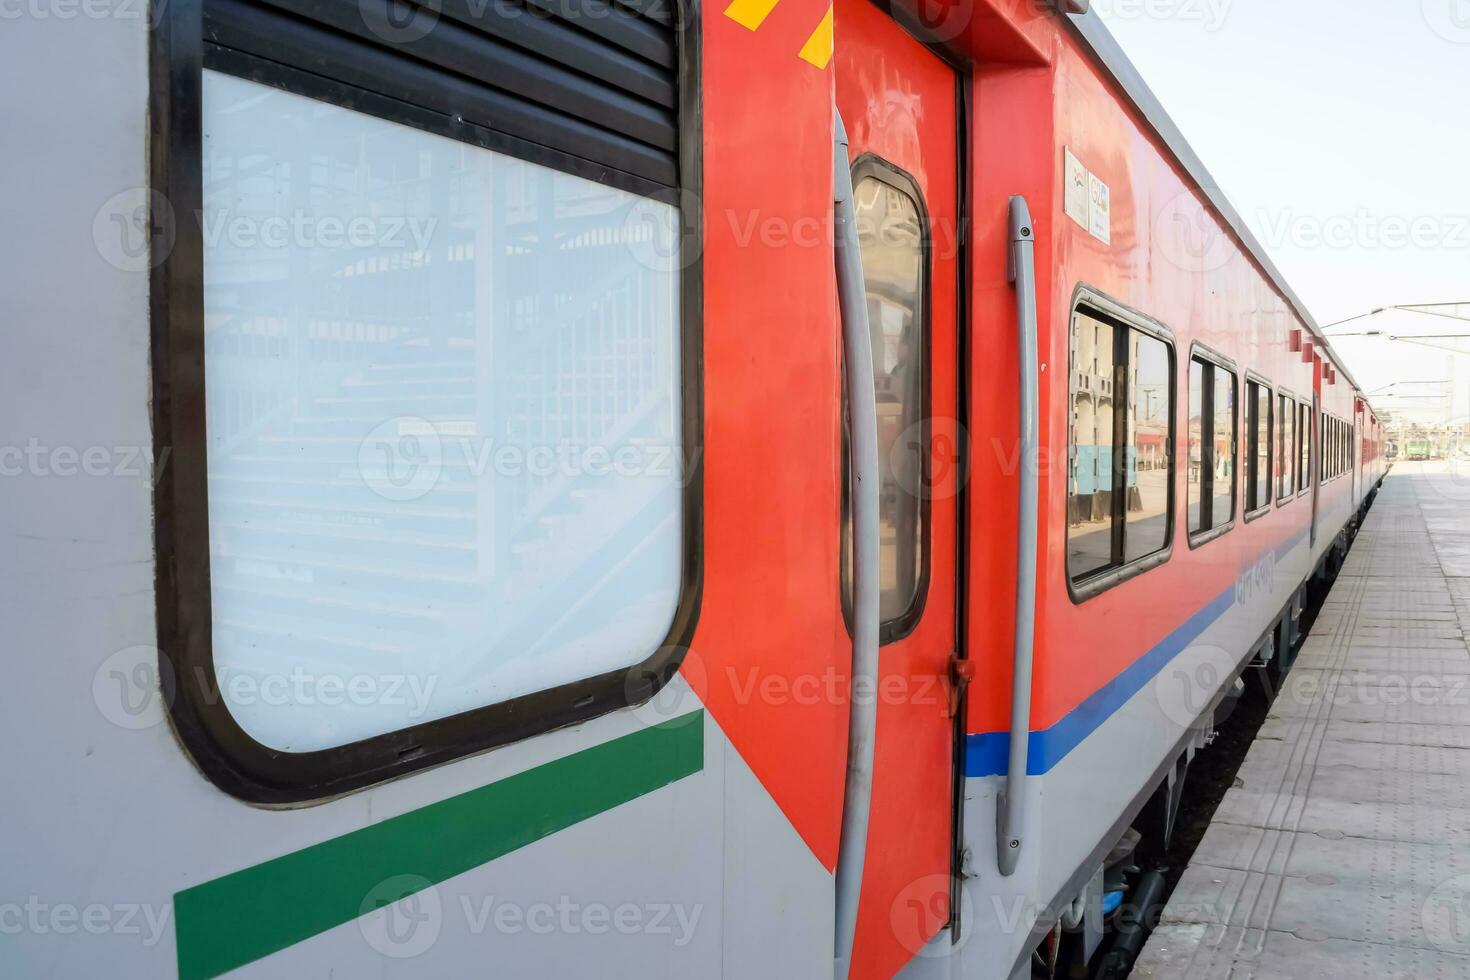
(1120, 477)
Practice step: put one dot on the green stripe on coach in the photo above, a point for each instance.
(243, 916)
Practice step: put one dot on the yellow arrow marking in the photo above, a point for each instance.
(818, 47)
(750, 13)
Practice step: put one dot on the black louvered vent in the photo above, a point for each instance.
(594, 82)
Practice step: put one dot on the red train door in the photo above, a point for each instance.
(900, 104)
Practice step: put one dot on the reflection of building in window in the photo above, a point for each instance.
(1211, 446)
(411, 423)
(1119, 466)
(1258, 456)
(891, 237)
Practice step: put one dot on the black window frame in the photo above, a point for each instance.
(227, 755)
(1324, 427)
(1333, 463)
(1293, 460)
(1123, 319)
(890, 631)
(1213, 359)
(1252, 442)
(1304, 468)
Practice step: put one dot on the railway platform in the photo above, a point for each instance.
(1343, 849)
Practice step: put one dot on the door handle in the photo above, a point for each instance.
(1011, 801)
(857, 346)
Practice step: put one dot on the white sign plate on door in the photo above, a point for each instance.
(1100, 211)
(1075, 179)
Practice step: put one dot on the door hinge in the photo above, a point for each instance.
(961, 673)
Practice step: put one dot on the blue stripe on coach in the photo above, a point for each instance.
(987, 753)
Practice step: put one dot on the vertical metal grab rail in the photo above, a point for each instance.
(1010, 817)
(862, 407)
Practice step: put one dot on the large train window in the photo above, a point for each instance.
(1211, 477)
(893, 236)
(1120, 486)
(1286, 436)
(431, 382)
(1258, 452)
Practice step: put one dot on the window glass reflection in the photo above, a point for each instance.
(444, 419)
(1090, 468)
(1198, 477)
(1222, 507)
(1147, 463)
(891, 237)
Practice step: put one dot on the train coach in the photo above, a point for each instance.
(601, 487)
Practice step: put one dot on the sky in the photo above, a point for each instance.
(1341, 133)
